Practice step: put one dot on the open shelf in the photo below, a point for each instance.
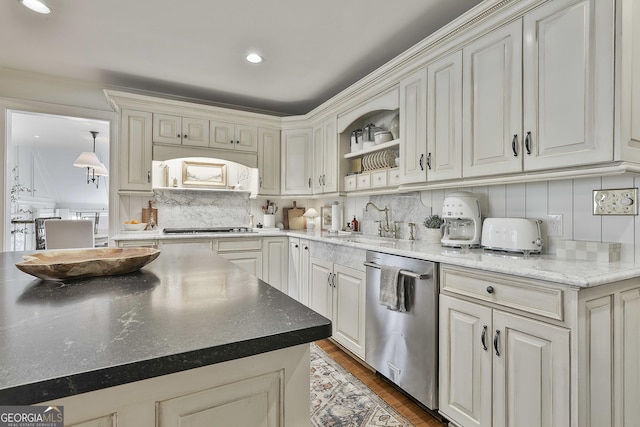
(375, 148)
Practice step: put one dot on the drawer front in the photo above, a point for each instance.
(350, 183)
(394, 176)
(364, 181)
(509, 291)
(379, 179)
(239, 245)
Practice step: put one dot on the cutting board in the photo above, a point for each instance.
(293, 219)
(146, 213)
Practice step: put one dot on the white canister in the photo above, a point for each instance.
(269, 220)
(356, 140)
(336, 216)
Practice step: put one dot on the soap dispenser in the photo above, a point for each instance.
(355, 225)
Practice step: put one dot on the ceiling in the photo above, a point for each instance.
(47, 132)
(196, 48)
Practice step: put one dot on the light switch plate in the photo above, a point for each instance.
(622, 201)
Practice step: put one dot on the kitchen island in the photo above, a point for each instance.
(190, 324)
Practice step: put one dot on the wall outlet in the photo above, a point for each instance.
(554, 225)
(622, 201)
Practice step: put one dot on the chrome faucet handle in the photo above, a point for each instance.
(412, 226)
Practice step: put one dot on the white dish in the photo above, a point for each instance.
(134, 227)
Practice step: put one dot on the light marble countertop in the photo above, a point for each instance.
(542, 267)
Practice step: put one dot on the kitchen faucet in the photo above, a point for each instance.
(386, 217)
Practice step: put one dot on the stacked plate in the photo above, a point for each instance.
(379, 160)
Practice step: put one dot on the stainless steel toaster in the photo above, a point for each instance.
(512, 235)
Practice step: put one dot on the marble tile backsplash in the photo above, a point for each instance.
(201, 208)
(571, 198)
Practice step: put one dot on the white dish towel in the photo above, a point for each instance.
(392, 288)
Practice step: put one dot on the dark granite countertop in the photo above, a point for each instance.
(188, 308)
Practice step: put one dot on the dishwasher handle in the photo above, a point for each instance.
(407, 273)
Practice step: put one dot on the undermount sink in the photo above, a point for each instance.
(370, 241)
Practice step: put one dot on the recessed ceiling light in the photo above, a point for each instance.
(254, 58)
(36, 6)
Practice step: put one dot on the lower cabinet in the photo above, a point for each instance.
(270, 389)
(245, 253)
(526, 352)
(298, 286)
(338, 293)
(499, 369)
(275, 262)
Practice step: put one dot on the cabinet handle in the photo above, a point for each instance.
(329, 280)
(324, 179)
(309, 182)
(514, 143)
(429, 161)
(333, 280)
(148, 176)
(421, 162)
(496, 342)
(483, 337)
(489, 289)
(260, 180)
(527, 142)
(320, 180)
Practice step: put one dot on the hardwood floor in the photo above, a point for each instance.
(400, 402)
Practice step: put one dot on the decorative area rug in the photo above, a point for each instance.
(338, 399)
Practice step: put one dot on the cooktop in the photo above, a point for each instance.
(194, 230)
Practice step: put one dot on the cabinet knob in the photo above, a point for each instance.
(489, 289)
(178, 136)
(296, 246)
(185, 136)
(237, 142)
(231, 142)
(306, 248)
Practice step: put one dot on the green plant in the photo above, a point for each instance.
(433, 221)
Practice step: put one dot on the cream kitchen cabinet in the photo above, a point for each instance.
(275, 262)
(296, 157)
(413, 130)
(325, 157)
(135, 151)
(444, 118)
(497, 367)
(268, 161)
(229, 136)
(525, 352)
(244, 252)
(560, 56)
(299, 253)
(338, 293)
(168, 129)
(492, 102)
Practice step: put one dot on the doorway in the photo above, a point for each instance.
(41, 179)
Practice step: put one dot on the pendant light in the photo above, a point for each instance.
(89, 160)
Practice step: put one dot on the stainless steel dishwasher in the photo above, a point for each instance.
(403, 346)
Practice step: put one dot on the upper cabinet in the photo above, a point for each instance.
(413, 150)
(554, 67)
(135, 151)
(568, 84)
(170, 129)
(268, 161)
(227, 136)
(296, 157)
(492, 97)
(325, 157)
(444, 118)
